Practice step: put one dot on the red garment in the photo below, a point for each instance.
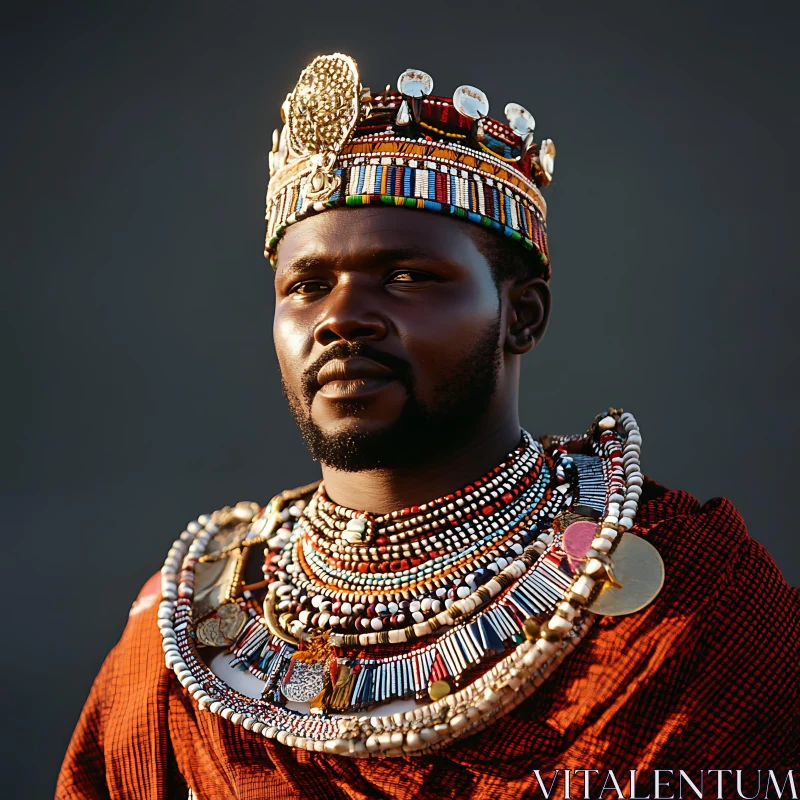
(706, 677)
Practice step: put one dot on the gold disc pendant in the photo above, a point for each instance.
(221, 628)
(640, 571)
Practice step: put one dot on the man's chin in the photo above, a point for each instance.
(359, 413)
(358, 443)
(356, 428)
(353, 448)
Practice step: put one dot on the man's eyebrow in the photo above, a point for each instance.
(302, 265)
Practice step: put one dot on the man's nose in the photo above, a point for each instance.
(350, 317)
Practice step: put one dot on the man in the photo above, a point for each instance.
(456, 610)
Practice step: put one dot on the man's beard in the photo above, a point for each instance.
(422, 431)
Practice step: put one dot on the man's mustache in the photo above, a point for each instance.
(400, 368)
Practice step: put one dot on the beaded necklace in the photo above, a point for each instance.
(435, 566)
(463, 604)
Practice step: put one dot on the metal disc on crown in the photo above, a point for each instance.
(547, 158)
(473, 104)
(520, 120)
(470, 102)
(415, 83)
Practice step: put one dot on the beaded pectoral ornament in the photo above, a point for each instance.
(460, 607)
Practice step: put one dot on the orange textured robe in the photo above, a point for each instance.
(706, 677)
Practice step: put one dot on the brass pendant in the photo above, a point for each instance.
(439, 689)
(271, 619)
(215, 583)
(232, 619)
(639, 571)
(221, 629)
(208, 633)
(342, 689)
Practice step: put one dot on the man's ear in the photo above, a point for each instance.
(528, 303)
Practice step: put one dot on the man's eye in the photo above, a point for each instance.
(410, 276)
(308, 287)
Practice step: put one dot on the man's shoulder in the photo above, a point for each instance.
(708, 548)
(148, 595)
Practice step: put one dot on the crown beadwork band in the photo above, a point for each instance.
(343, 146)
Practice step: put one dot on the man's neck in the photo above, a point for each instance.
(383, 490)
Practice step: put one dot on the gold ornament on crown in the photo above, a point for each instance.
(321, 114)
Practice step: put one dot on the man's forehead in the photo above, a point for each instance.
(345, 235)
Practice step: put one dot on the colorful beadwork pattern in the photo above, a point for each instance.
(418, 153)
(492, 200)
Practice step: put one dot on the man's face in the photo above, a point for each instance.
(388, 334)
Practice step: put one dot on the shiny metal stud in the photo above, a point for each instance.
(520, 119)
(470, 102)
(415, 83)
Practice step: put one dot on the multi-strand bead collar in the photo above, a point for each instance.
(399, 570)
(463, 604)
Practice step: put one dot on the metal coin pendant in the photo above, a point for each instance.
(640, 570)
(208, 633)
(222, 628)
(232, 619)
(305, 682)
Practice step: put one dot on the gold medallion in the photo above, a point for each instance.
(209, 633)
(231, 620)
(222, 628)
(639, 570)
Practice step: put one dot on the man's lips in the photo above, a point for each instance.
(357, 368)
(352, 376)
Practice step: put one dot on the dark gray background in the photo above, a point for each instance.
(142, 388)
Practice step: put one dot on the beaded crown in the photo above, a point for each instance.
(342, 145)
